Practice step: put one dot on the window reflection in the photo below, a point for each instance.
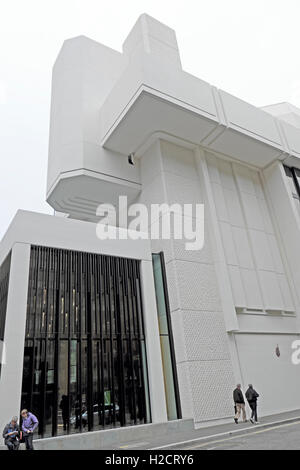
(293, 179)
(84, 358)
(166, 339)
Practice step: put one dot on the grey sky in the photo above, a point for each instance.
(250, 48)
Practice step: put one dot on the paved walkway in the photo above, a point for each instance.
(204, 434)
(215, 436)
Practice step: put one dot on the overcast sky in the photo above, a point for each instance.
(250, 48)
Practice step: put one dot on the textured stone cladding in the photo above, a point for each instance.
(205, 374)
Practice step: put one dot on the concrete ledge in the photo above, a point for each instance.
(114, 438)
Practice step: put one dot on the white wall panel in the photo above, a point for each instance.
(276, 380)
(234, 208)
(271, 290)
(213, 169)
(243, 178)
(261, 250)
(151, 164)
(197, 286)
(228, 243)
(288, 302)
(242, 247)
(186, 397)
(182, 190)
(154, 192)
(252, 211)
(204, 334)
(277, 259)
(257, 185)
(249, 241)
(220, 202)
(179, 336)
(268, 225)
(238, 290)
(212, 384)
(178, 160)
(252, 290)
(226, 174)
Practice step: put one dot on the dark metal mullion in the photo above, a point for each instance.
(35, 273)
(171, 339)
(111, 337)
(37, 253)
(119, 340)
(134, 322)
(140, 333)
(89, 358)
(56, 284)
(45, 343)
(296, 182)
(127, 277)
(75, 325)
(99, 374)
(125, 334)
(47, 266)
(96, 340)
(102, 320)
(96, 310)
(80, 340)
(28, 319)
(143, 329)
(29, 297)
(71, 326)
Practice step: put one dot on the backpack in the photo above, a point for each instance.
(251, 394)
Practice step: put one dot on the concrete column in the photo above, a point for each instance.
(12, 370)
(220, 264)
(155, 369)
(218, 251)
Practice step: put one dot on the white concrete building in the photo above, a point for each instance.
(230, 311)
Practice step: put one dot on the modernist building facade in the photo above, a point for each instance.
(109, 333)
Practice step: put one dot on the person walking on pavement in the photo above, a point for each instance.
(252, 397)
(11, 434)
(239, 402)
(29, 424)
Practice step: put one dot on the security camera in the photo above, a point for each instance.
(131, 159)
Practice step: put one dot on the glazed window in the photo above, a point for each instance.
(84, 359)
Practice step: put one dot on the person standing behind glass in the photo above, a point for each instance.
(29, 424)
(64, 406)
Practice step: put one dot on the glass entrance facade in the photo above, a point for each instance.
(85, 357)
(166, 338)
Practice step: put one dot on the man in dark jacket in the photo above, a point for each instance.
(239, 402)
(11, 434)
(252, 397)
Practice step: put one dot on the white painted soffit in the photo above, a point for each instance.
(182, 106)
(80, 192)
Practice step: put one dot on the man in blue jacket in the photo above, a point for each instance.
(29, 424)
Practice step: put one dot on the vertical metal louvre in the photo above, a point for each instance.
(84, 361)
